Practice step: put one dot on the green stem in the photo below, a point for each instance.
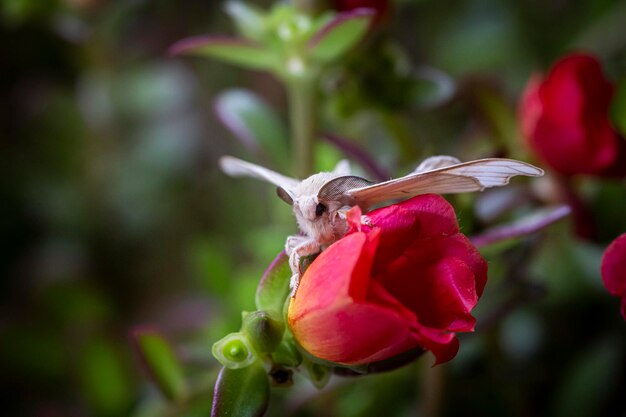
(304, 6)
(301, 92)
(432, 386)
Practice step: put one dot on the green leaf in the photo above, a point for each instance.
(161, 362)
(104, 380)
(340, 34)
(618, 107)
(236, 51)
(273, 288)
(249, 19)
(241, 392)
(254, 124)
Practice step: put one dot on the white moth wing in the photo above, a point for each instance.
(459, 178)
(237, 168)
(436, 162)
(412, 185)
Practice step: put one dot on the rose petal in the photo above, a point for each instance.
(444, 345)
(614, 267)
(329, 278)
(400, 224)
(439, 288)
(353, 333)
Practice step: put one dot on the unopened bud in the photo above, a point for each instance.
(264, 330)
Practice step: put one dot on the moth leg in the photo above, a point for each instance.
(306, 248)
(293, 242)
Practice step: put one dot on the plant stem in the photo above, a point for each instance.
(304, 6)
(301, 92)
(432, 387)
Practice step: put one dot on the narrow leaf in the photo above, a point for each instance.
(236, 51)
(340, 34)
(273, 288)
(524, 226)
(161, 362)
(253, 123)
(241, 392)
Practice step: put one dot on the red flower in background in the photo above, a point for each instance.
(614, 270)
(411, 280)
(565, 119)
(380, 6)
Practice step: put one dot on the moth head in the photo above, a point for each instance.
(285, 195)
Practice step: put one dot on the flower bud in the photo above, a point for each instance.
(564, 117)
(234, 351)
(264, 330)
(407, 280)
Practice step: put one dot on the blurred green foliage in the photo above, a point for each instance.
(113, 213)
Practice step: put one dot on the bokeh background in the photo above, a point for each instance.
(113, 213)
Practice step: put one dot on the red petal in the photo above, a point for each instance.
(614, 267)
(614, 270)
(338, 272)
(419, 217)
(354, 333)
(438, 286)
(329, 317)
(444, 345)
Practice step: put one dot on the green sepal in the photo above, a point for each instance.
(340, 34)
(234, 351)
(161, 363)
(241, 392)
(318, 374)
(273, 289)
(237, 51)
(287, 354)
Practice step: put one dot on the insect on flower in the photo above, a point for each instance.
(321, 201)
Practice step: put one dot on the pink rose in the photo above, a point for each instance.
(410, 280)
(564, 117)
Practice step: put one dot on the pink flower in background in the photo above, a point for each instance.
(564, 117)
(614, 270)
(410, 280)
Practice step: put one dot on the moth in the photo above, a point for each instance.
(320, 202)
